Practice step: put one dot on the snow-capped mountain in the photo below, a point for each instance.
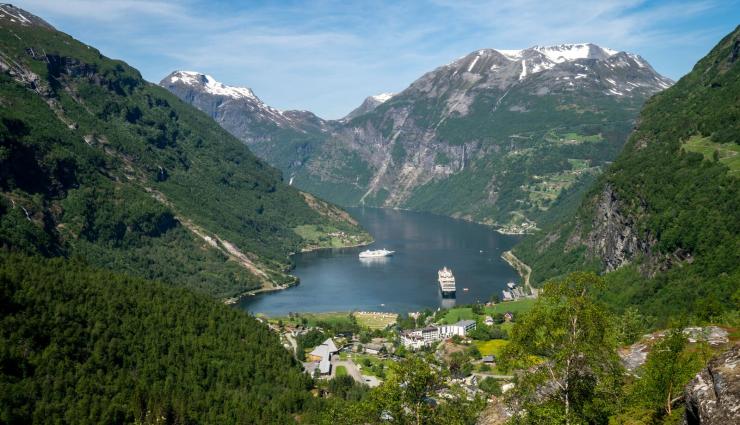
(237, 109)
(370, 103)
(501, 132)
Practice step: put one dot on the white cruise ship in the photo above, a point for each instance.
(376, 253)
(446, 282)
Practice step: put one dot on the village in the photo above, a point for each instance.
(363, 345)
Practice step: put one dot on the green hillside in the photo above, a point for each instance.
(675, 188)
(98, 163)
(83, 346)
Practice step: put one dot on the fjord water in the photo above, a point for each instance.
(337, 280)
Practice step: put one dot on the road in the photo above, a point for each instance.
(353, 371)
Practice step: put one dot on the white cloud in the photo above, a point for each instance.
(328, 55)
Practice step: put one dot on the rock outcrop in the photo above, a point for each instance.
(614, 237)
(713, 396)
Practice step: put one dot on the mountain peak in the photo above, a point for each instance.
(209, 84)
(18, 16)
(562, 52)
(370, 103)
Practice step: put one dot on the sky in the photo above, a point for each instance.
(326, 56)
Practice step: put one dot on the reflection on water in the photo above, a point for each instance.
(371, 261)
(447, 302)
(337, 280)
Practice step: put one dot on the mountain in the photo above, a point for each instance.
(97, 163)
(663, 218)
(370, 103)
(497, 136)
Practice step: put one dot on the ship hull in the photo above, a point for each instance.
(448, 294)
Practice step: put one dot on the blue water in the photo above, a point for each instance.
(336, 280)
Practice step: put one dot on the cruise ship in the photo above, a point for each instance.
(446, 282)
(376, 253)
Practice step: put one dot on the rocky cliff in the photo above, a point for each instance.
(668, 204)
(713, 397)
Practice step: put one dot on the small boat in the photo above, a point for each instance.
(465, 289)
(376, 253)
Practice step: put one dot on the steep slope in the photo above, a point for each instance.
(666, 214)
(496, 136)
(96, 162)
(84, 346)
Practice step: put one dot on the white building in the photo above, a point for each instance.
(322, 354)
(418, 338)
(460, 328)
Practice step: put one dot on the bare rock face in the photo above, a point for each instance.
(713, 396)
(635, 355)
(614, 237)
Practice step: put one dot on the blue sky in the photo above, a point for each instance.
(327, 56)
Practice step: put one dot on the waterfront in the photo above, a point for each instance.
(336, 280)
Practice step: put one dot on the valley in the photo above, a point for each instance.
(558, 226)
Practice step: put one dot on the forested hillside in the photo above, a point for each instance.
(98, 163)
(665, 217)
(83, 346)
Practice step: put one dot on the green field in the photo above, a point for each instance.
(324, 236)
(359, 360)
(728, 153)
(492, 347)
(364, 320)
(375, 321)
(466, 313)
(313, 319)
(341, 371)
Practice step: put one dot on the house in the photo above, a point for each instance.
(488, 321)
(488, 359)
(412, 340)
(460, 328)
(372, 348)
(418, 338)
(508, 316)
(323, 351)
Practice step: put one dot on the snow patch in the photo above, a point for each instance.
(511, 54)
(472, 64)
(13, 12)
(524, 70)
(383, 97)
(571, 52)
(210, 85)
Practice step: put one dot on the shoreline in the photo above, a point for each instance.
(524, 271)
(262, 290)
(319, 248)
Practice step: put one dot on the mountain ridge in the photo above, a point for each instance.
(477, 122)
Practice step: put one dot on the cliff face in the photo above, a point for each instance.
(668, 203)
(713, 396)
(614, 238)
